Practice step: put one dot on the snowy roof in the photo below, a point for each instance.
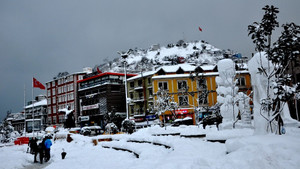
(71, 74)
(174, 68)
(39, 103)
(145, 74)
(208, 67)
(188, 75)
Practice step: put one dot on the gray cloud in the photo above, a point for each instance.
(42, 38)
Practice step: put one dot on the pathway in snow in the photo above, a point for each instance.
(37, 165)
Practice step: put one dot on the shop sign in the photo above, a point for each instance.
(89, 107)
(84, 118)
(181, 111)
(151, 117)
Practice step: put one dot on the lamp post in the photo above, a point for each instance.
(124, 55)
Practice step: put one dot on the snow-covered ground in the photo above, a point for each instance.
(241, 150)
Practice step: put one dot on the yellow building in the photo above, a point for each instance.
(192, 87)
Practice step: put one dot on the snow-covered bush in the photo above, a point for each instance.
(111, 128)
(128, 125)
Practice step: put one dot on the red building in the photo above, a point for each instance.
(62, 92)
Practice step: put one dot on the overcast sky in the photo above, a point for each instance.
(41, 38)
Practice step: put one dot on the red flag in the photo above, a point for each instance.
(98, 70)
(38, 84)
(200, 29)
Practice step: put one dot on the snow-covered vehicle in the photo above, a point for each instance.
(96, 130)
(184, 121)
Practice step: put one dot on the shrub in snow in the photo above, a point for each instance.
(7, 133)
(111, 128)
(128, 125)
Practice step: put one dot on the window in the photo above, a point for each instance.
(53, 83)
(150, 93)
(131, 95)
(49, 92)
(54, 120)
(183, 100)
(131, 84)
(163, 85)
(182, 85)
(49, 120)
(71, 88)
(61, 118)
(53, 91)
(49, 110)
(140, 82)
(241, 81)
(72, 106)
(54, 109)
(203, 99)
(202, 84)
(54, 100)
(149, 81)
(141, 96)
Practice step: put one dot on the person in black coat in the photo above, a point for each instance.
(34, 148)
(41, 149)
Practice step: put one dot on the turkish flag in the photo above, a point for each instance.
(98, 70)
(200, 29)
(38, 84)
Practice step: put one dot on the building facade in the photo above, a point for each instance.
(36, 114)
(192, 87)
(17, 120)
(62, 93)
(100, 94)
(140, 92)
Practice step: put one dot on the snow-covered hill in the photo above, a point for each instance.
(196, 52)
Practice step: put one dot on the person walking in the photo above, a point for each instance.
(41, 149)
(48, 144)
(34, 148)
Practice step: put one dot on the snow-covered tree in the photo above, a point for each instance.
(7, 132)
(164, 102)
(271, 63)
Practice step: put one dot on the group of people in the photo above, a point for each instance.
(43, 148)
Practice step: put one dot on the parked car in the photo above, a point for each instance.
(75, 130)
(96, 130)
(184, 121)
(213, 119)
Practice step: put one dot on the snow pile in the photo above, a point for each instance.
(241, 150)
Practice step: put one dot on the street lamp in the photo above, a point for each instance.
(124, 55)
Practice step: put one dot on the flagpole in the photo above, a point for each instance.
(25, 110)
(32, 111)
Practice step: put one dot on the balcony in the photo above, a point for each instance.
(138, 88)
